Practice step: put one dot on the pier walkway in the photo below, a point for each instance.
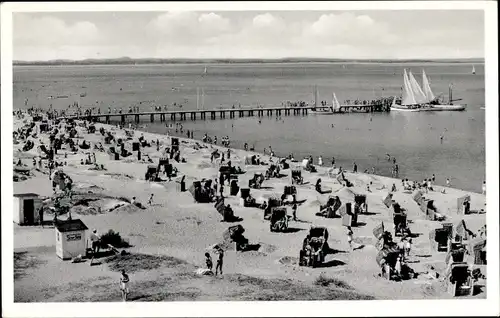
(212, 113)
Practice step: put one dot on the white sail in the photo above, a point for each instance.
(427, 88)
(417, 90)
(408, 96)
(336, 104)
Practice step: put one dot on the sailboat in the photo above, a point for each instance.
(409, 102)
(473, 70)
(416, 99)
(335, 108)
(435, 102)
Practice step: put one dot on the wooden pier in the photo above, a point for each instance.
(214, 113)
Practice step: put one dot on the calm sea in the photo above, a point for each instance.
(412, 138)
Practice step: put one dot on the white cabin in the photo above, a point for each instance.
(71, 238)
(26, 208)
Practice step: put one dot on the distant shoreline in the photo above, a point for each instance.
(129, 61)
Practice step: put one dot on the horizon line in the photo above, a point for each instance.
(145, 59)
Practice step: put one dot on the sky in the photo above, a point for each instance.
(380, 34)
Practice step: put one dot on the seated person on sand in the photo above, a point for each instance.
(318, 185)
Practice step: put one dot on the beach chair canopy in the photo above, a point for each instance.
(318, 231)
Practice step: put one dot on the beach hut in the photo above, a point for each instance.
(70, 238)
(25, 207)
(463, 205)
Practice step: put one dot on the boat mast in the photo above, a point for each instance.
(197, 98)
(450, 93)
(315, 96)
(202, 98)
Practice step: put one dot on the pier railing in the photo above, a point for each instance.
(212, 113)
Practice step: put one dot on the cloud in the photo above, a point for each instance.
(188, 27)
(48, 30)
(259, 35)
(349, 29)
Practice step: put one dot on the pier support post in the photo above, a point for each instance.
(122, 119)
(107, 119)
(152, 117)
(241, 113)
(212, 115)
(203, 115)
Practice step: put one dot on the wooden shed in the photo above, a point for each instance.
(71, 238)
(25, 208)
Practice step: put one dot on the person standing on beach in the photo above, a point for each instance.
(40, 215)
(355, 167)
(433, 179)
(150, 201)
(441, 138)
(320, 161)
(484, 187)
(220, 261)
(448, 183)
(294, 211)
(124, 280)
(94, 239)
(333, 161)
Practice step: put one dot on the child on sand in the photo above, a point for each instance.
(208, 261)
(350, 233)
(124, 280)
(150, 201)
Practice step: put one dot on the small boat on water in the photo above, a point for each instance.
(56, 97)
(335, 108)
(416, 99)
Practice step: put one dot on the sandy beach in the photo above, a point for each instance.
(170, 236)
